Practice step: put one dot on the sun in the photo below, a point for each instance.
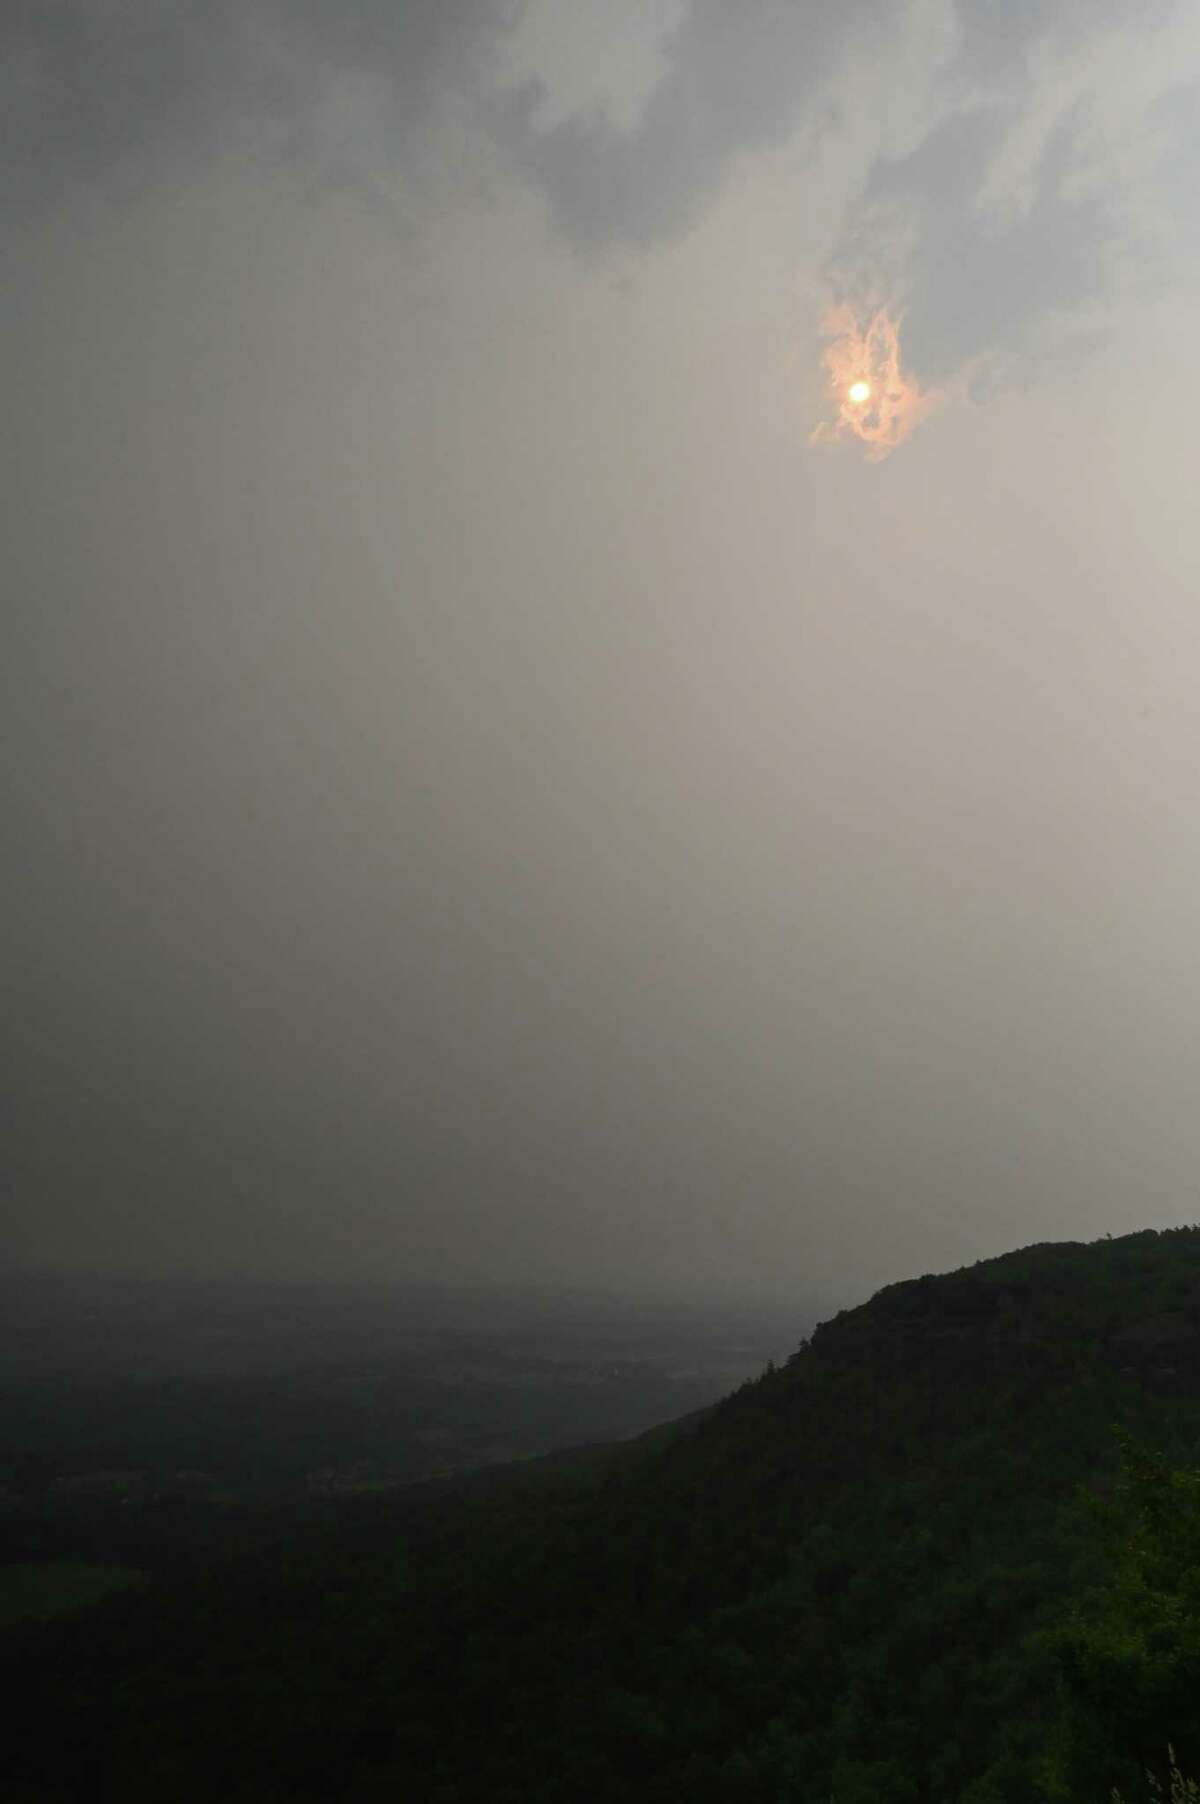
(873, 399)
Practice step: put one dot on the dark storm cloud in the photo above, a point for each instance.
(89, 92)
(93, 91)
(738, 79)
(86, 87)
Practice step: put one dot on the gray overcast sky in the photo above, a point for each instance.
(484, 796)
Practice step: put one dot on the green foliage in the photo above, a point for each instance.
(1130, 1652)
(1181, 1790)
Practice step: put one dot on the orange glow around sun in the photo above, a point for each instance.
(874, 401)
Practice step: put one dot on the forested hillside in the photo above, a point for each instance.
(872, 1575)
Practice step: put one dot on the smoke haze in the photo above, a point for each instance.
(484, 799)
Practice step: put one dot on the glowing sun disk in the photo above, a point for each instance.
(858, 392)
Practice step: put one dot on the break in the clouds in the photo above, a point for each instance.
(872, 399)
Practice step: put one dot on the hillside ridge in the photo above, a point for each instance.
(1134, 1298)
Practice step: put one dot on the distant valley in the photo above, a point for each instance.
(154, 1416)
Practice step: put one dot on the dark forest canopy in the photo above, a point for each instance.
(871, 1574)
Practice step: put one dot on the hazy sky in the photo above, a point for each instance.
(484, 795)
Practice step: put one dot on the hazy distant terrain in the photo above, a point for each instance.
(136, 1417)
